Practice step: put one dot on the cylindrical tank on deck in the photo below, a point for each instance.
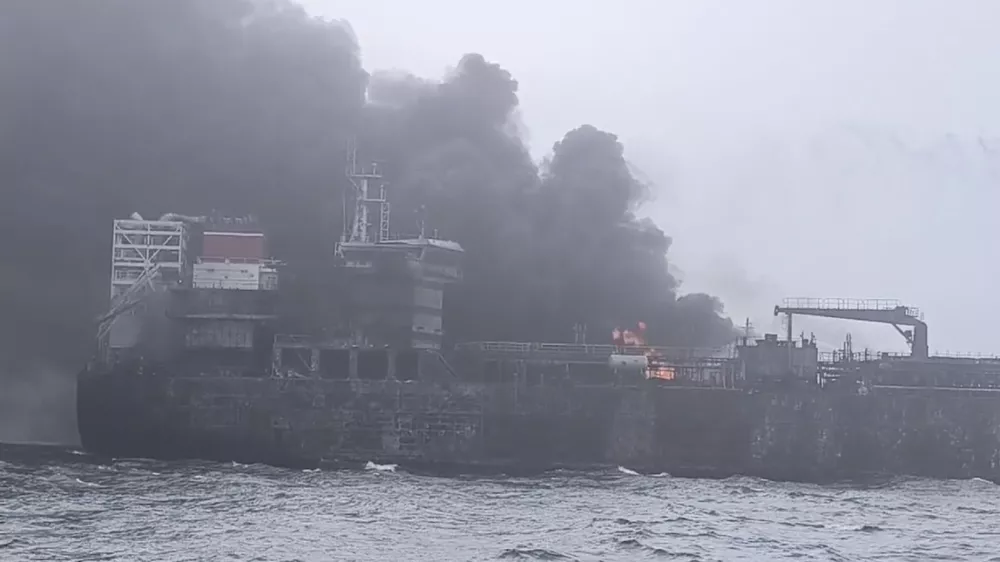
(628, 362)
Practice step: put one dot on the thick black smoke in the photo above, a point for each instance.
(241, 106)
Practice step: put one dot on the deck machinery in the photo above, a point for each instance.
(882, 311)
(917, 369)
(218, 291)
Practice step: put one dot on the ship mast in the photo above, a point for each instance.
(367, 195)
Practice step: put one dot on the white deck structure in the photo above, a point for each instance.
(140, 245)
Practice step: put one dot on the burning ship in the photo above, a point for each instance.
(195, 360)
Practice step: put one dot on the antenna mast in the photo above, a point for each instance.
(368, 195)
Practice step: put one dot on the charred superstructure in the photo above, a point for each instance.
(192, 364)
(398, 284)
(195, 290)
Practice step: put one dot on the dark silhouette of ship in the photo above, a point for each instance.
(193, 362)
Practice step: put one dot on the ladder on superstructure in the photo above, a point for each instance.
(383, 216)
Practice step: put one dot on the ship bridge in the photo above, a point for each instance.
(881, 311)
(396, 293)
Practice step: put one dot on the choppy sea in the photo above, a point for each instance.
(59, 504)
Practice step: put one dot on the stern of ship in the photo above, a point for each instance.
(109, 413)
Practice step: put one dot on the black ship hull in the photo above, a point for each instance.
(121, 415)
(806, 434)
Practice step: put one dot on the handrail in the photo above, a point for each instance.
(838, 356)
(850, 304)
(582, 349)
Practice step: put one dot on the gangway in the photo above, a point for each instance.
(881, 311)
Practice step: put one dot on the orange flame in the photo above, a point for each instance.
(637, 339)
(661, 372)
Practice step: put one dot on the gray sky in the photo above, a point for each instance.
(832, 149)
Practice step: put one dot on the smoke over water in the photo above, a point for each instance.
(245, 107)
(38, 405)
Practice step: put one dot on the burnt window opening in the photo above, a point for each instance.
(373, 365)
(408, 365)
(298, 360)
(263, 339)
(335, 364)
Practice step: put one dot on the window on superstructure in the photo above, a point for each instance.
(373, 364)
(297, 360)
(335, 364)
(408, 365)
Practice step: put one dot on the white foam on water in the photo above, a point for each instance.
(380, 467)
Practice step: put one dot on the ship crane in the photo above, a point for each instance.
(881, 311)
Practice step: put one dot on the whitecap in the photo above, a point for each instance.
(380, 467)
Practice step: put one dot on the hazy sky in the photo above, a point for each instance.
(828, 149)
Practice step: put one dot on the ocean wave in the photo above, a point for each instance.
(76, 507)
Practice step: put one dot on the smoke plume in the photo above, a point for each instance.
(246, 107)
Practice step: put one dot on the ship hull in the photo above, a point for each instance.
(789, 434)
(121, 415)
